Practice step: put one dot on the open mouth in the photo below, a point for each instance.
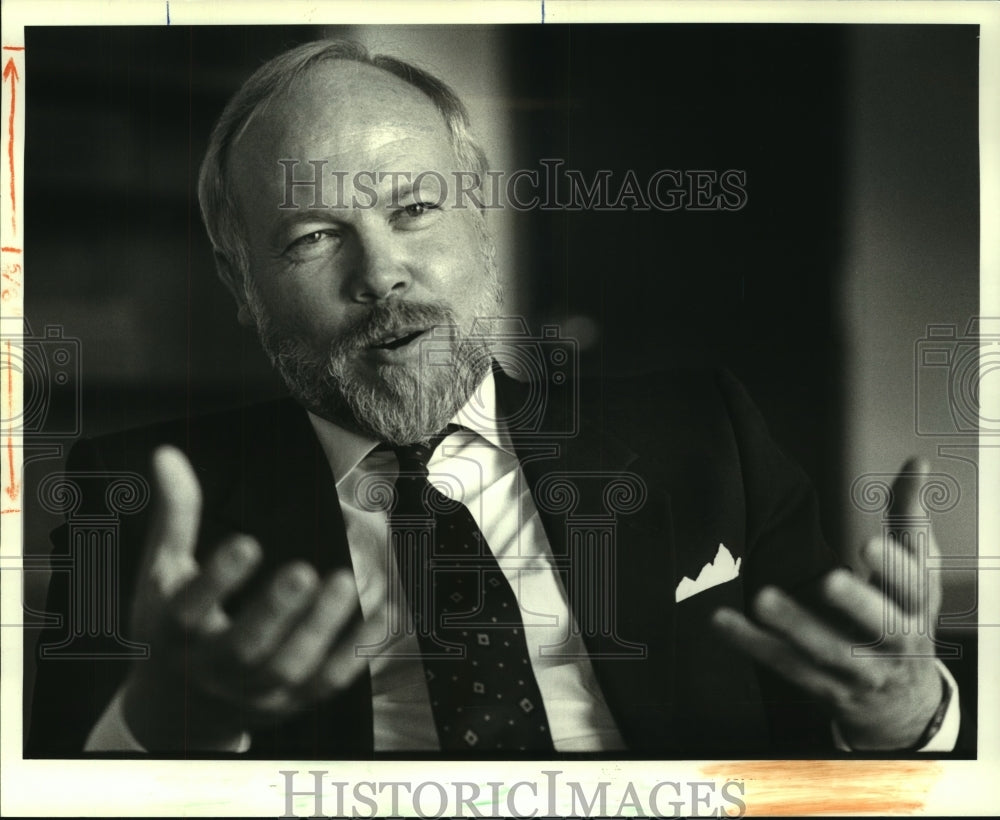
(395, 342)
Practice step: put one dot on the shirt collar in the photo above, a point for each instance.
(346, 449)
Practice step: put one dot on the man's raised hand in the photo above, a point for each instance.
(884, 695)
(212, 677)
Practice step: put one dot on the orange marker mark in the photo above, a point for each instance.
(4, 512)
(10, 70)
(13, 48)
(5, 249)
(800, 787)
(11, 274)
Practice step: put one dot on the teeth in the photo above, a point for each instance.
(396, 340)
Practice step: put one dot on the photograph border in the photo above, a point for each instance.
(104, 787)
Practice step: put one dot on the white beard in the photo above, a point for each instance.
(398, 404)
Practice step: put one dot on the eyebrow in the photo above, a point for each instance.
(389, 183)
(331, 193)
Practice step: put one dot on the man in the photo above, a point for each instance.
(264, 582)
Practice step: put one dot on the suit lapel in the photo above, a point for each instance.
(609, 526)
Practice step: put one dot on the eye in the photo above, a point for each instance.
(314, 242)
(313, 238)
(415, 212)
(419, 208)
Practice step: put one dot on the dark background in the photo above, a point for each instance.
(118, 256)
(117, 120)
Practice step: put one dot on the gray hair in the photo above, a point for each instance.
(218, 207)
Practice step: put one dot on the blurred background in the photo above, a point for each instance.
(860, 228)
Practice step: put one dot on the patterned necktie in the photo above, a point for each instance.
(482, 689)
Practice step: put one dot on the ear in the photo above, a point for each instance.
(243, 316)
(232, 279)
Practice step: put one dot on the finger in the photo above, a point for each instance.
(174, 526)
(346, 661)
(906, 489)
(902, 576)
(811, 637)
(865, 605)
(907, 516)
(348, 658)
(197, 606)
(342, 660)
(257, 632)
(301, 653)
(777, 655)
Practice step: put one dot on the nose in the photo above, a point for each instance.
(380, 271)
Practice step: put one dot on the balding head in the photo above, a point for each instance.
(358, 120)
(253, 100)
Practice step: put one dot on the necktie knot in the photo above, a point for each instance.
(413, 458)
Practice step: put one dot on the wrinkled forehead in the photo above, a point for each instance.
(352, 115)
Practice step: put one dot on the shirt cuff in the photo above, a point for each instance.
(111, 732)
(945, 738)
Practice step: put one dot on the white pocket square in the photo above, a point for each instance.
(723, 568)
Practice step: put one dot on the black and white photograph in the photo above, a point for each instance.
(514, 396)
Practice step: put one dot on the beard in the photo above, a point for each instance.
(394, 403)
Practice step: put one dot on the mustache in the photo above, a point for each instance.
(389, 318)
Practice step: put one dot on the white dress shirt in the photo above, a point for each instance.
(478, 467)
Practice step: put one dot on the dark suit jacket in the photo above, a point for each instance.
(692, 442)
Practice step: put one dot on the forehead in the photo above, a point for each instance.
(354, 116)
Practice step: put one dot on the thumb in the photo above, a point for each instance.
(909, 528)
(173, 530)
(906, 489)
(907, 515)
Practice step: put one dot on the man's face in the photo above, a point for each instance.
(348, 299)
